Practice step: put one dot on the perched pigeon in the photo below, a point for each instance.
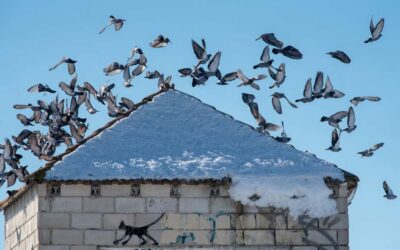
(270, 39)
(358, 99)
(376, 31)
(341, 56)
(288, 51)
(249, 82)
(70, 63)
(283, 138)
(276, 103)
(389, 193)
(369, 152)
(335, 142)
(117, 22)
(160, 41)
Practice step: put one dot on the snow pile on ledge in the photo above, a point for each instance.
(178, 136)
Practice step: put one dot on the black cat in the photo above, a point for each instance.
(138, 231)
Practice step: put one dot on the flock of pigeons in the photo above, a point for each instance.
(59, 115)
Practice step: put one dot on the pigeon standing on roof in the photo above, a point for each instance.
(335, 141)
(288, 51)
(389, 193)
(270, 39)
(369, 152)
(340, 55)
(376, 31)
(356, 100)
(249, 81)
(276, 103)
(117, 22)
(160, 41)
(70, 64)
(283, 138)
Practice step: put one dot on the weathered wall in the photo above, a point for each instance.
(21, 230)
(194, 215)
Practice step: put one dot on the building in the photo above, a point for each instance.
(175, 173)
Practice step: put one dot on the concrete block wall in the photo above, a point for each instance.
(194, 216)
(21, 231)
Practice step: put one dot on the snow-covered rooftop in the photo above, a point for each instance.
(176, 136)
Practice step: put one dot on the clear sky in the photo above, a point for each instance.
(36, 34)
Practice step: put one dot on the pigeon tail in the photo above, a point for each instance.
(276, 51)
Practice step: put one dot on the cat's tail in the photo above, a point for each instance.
(154, 222)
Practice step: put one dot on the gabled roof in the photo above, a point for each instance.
(174, 136)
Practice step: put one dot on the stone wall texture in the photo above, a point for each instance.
(200, 216)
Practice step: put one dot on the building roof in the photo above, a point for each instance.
(175, 136)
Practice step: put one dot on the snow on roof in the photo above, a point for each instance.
(176, 136)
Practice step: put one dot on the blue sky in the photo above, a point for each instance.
(36, 34)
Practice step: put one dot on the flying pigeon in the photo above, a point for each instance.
(152, 75)
(389, 193)
(249, 82)
(369, 152)
(117, 22)
(200, 52)
(358, 99)
(279, 76)
(288, 51)
(37, 88)
(335, 119)
(351, 119)
(270, 39)
(376, 31)
(228, 78)
(265, 59)
(276, 103)
(341, 56)
(335, 141)
(160, 41)
(307, 93)
(70, 63)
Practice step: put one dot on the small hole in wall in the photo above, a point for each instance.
(95, 190)
(53, 190)
(175, 191)
(135, 190)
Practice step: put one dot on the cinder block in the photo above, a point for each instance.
(53, 247)
(44, 204)
(320, 237)
(337, 221)
(155, 190)
(194, 205)
(271, 221)
(161, 205)
(98, 205)
(53, 220)
(41, 190)
(226, 205)
(115, 190)
(301, 222)
(67, 237)
(195, 191)
(181, 221)
(244, 221)
(228, 237)
(222, 221)
(44, 236)
(83, 248)
(130, 205)
(304, 248)
(259, 237)
(66, 204)
(343, 237)
(97, 237)
(289, 237)
(145, 219)
(112, 221)
(75, 190)
(86, 220)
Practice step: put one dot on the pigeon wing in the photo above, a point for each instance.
(276, 104)
(307, 93)
(71, 68)
(265, 56)
(241, 76)
(198, 50)
(378, 28)
(214, 63)
(319, 81)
